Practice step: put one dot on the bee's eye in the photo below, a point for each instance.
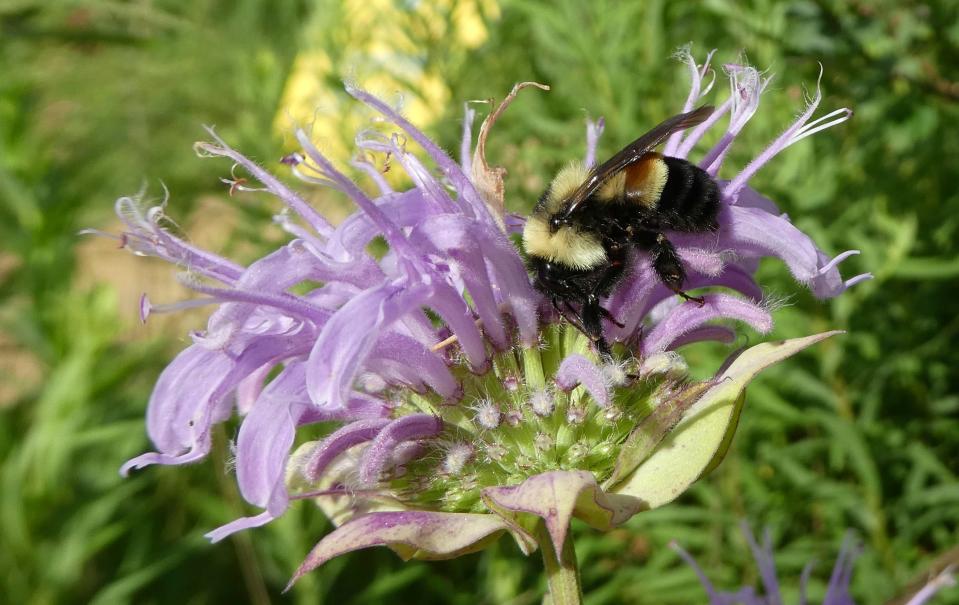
(555, 223)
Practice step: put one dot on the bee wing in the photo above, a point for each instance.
(635, 150)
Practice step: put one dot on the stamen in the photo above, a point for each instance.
(147, 308)
(806, 132)
(852, 281)
(832, 264)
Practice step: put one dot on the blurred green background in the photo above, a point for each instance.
(98, 98)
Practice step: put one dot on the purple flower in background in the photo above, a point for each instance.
(837, 591)
(466, 407)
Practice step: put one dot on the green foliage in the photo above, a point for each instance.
(862, 432)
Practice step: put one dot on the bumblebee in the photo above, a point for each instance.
(587, 222)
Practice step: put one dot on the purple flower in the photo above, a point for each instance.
(467, 408)
(837, 591)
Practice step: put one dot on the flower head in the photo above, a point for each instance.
(467, 407)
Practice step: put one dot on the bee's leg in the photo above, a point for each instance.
(569, 313)
(593, 312)
(606, 314)
(593, 327)
(669, 267)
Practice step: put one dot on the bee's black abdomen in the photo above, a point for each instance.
(690, 198)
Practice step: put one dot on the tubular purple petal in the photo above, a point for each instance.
(411, 353)
(449, 304)
(752, 232)
(703, 333)
(341, 349)
(690, 315)
(148, 238)
(696, 134)
(696, 92)
(387, 227)
(747, 85)
(450, 169)
(379, 455)
(309, 214)
(787, 138)
(338, 442)
(224, 531)
(837, 591)
(577, 370)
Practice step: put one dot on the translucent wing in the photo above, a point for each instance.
(632, 152)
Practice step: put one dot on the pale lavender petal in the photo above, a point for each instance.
(425, 364)
(466, 140)
(454, 311)
(753, 232)
(577, 370)
(733, 277)
(696, 134)
(273, 184)
(433, 192)
(792, 134)
(750, 198)
(274, 273)
(289, 387)
(250, 388)
(594, 130)
(193, 394)
(147, 237)
(379, 455)
(341, 349)
(179, 413)
(747, 85)
(944, 579)
(353, 235)
(511, 282)
(630, 298)
(458, 238)
(701, 260)
(690, 315)
(696, 92)
(289, 305)
(389, 229)
(263, 447)
(238, 525)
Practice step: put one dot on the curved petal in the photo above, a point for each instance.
(420, 534)
(182, 407)
(577, 370)
(341, 349)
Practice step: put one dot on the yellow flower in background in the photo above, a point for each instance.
(377, 45)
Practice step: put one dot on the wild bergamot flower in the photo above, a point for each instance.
(467, 408)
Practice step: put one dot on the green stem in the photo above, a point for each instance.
(562, 573)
